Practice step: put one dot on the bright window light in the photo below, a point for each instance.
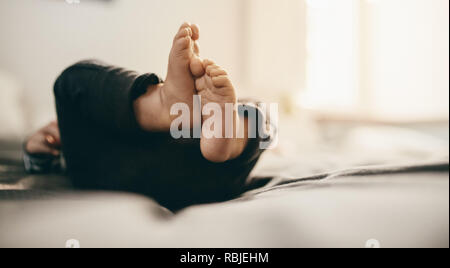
(332, 55)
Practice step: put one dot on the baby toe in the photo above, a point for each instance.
(221, 81)
(200, 84)
(207, 62)
(197, 67)
(182, 33)
(210, 68)
(182, 43)
(218, 72)
(195, 32)
(196, 49)
(185, 25)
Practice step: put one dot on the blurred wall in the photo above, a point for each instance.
(41, 37)
(275, 49)
(405, 59)
(402, 57)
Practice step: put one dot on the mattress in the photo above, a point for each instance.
(291, 202)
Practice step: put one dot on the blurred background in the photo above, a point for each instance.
(324, 61)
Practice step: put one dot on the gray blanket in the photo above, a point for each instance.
(386, 206)
(375, 187)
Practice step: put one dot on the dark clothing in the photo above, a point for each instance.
(43, 163)
(105, 148)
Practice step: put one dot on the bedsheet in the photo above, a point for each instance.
(394, 206)
(292, 200)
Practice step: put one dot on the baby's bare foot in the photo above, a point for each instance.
(184, 62)
(153, 109)
(216, 87)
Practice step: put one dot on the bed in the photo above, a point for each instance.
(392, 191)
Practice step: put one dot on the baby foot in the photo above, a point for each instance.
(184, 62)
(152, 110)
(216, 87)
